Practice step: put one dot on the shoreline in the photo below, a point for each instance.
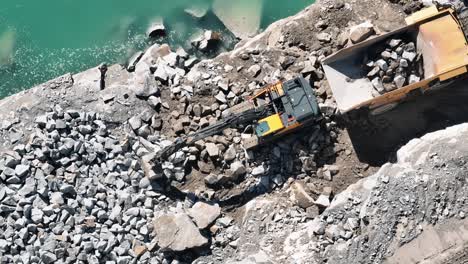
(223, 204)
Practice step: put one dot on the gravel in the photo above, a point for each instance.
(398, 65)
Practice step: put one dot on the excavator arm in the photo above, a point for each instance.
(231, 121)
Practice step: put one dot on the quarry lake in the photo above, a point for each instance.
(40, 40)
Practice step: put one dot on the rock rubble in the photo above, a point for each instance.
(394, 66)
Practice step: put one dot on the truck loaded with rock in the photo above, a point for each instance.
(83, 180)
(417, 58)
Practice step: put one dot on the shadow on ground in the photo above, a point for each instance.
(377, 138)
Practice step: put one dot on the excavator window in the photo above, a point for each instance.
(262, 128)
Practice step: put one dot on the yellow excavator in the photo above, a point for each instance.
(274, 111)
(284, 107)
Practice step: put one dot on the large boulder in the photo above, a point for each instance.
(151, 56)
(176, 232)
(300, 196)
(361, 32)
(241, 17)
(204, 214)
(156, 29)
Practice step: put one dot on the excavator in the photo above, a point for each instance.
(274, 111)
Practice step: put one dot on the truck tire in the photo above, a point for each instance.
(382, 109)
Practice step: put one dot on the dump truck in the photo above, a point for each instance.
(274, 111)
(438, 37)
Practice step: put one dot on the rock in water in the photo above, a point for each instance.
(157, 29)
(151, 56)
(241, 17)
(204, 214)
(197, 11)
(176, 232)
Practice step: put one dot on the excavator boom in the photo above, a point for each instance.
(231, 121)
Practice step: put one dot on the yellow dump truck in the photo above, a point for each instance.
(439, 39)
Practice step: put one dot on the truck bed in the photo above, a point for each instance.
(439, 39)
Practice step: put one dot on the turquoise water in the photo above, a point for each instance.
(42, 39)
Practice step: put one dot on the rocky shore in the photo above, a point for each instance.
(79, 182)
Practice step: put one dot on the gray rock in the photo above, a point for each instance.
(106, 97)
(147, 166)
(409, 56)
(135, 122)
(204, 214)
(324, 37)
(237, 169)
(8, 172)
(48, 257)
(13, 180)
(394, 43)
(373, 72)
(22, 170)
(191, 62)
(257, 171)
(410, 47)
(399, 81)
(224, 85)
(221, 97)
(299, 196)
(377, 84)
(254, 70)
(327, 108)
(386, 55)
(156, 29)
(182, 53)
(404, 63)
(176, 232)
(132, 62)
(147, 87)
(41, 120)
(212, 149)
(6, 209)
(37, 215)
(323, 201)
(413, 79)
(134, 211)
(230, 153)
(361, 32)
(154, 101)
(382, 64)
(171, 59)
(161, 73)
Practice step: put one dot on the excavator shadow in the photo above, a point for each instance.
(377, 138)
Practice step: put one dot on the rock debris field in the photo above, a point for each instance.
(80, 182)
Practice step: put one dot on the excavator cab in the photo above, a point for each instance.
(274, 111)
(291, 104)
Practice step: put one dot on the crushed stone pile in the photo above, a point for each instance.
(394, 66)
(75, 193)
